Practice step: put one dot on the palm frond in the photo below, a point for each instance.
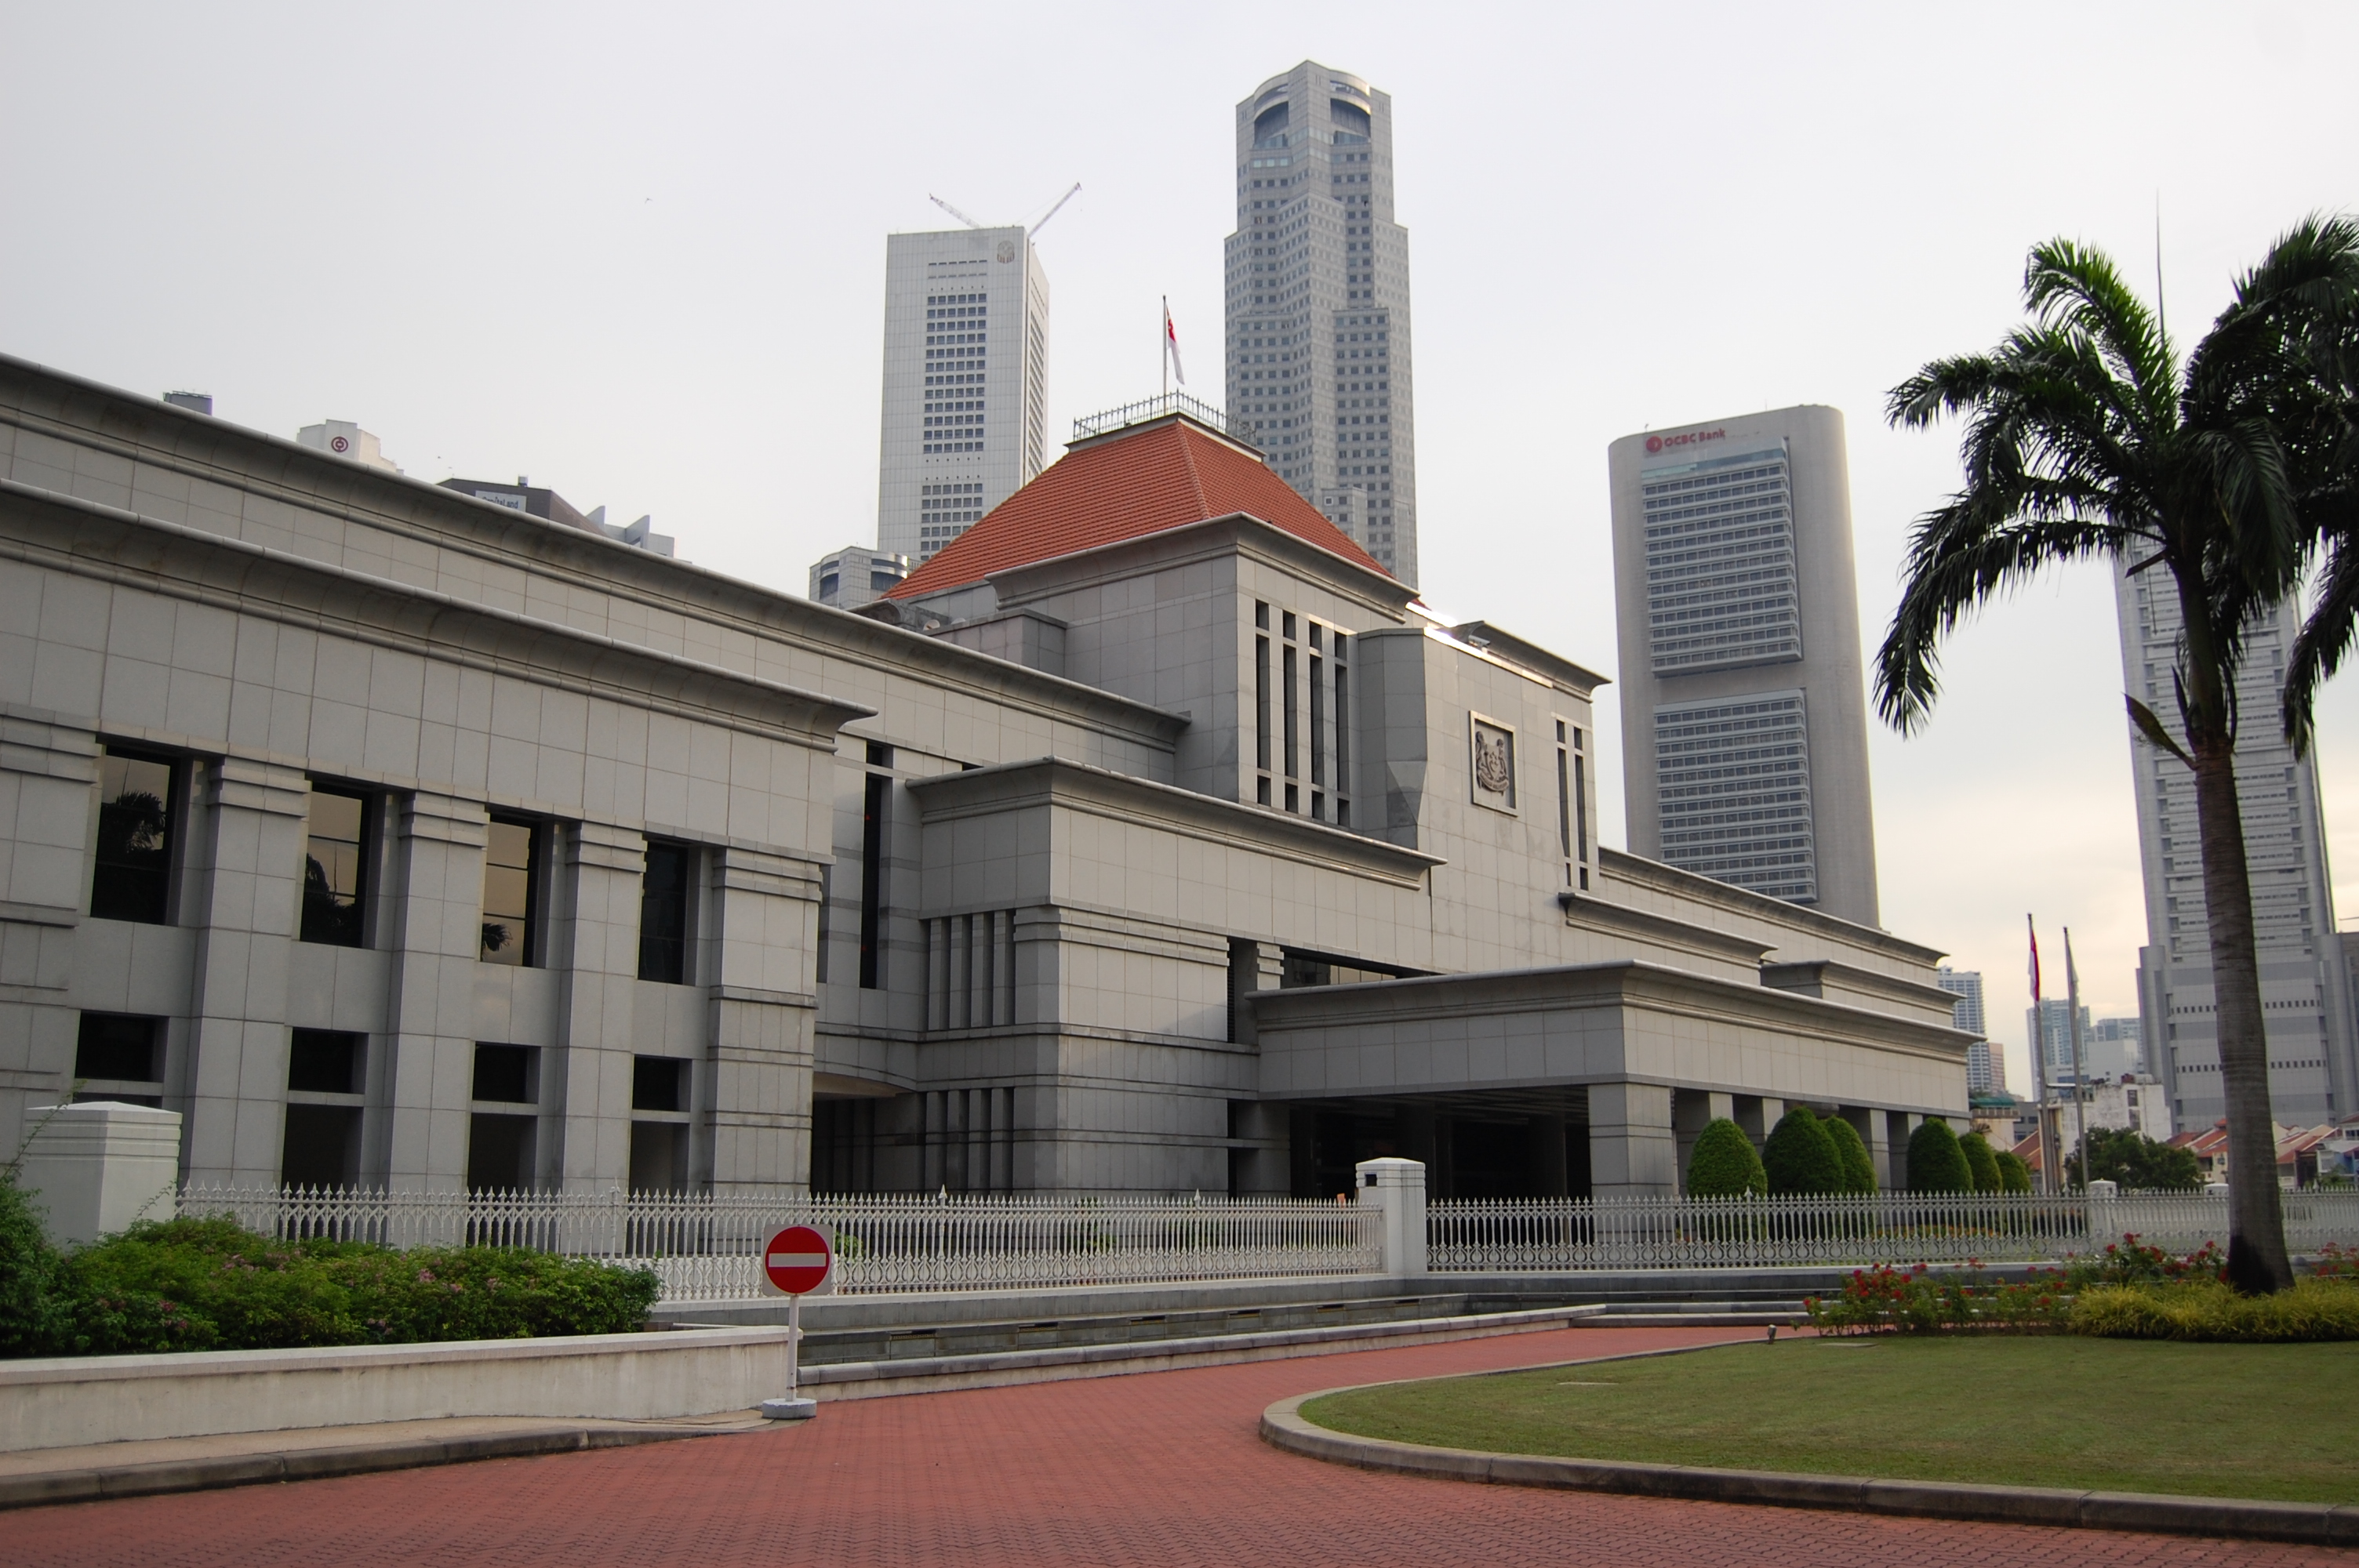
(2327, 638)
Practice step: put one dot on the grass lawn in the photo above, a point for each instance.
(2239, 1421)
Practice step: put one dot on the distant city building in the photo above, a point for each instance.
(1318, 339)
(342, 437)
(1985, 1069)
(966, 383)
(855, 575)
(2136, 1101)
(2051, 1033)
(2306, 1004)
(194, 402)
(1966, 985)
(537, 500)
(2115, 1046)
(1743, 697)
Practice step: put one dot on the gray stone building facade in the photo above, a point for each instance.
(1146, 843)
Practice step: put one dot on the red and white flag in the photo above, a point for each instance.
(2033, 932)
(1171, 343)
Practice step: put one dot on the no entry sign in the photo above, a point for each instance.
(798, 1261)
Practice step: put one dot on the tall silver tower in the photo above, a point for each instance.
(1317, 336)
(1744, 696)
(2306, 1000)
(966, 373)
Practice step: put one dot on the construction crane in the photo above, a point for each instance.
(1035, 228)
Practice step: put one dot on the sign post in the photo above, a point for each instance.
(796, 1262)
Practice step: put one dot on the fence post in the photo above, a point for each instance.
(2104, 1224)
(98, 1166)
(1393, 1192)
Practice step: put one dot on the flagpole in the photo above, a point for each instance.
(2079, 1073)
(1163, 345)
(2050, 1159)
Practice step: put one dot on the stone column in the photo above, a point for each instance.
(1898, 1126)
(1692, 1110)
(248, 900)
(1395, 1191)
(1878, 1135)
(1632, 1150)
(420, 1089)
(763, 1010)
(596, 949)
(46, 774)
(99, 1167)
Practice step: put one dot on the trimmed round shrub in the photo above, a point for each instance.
(1982, 1164)
(1935, 1163)
(2013, 1174)
(1858, 1165)
(1724, 1164)
(1800, 1157)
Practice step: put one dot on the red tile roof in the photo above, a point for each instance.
(1164, 476)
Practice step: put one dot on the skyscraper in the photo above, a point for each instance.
(1966, 985)
(1317, 336)
(2051, 1032)
(2306, 1001)
(966, 372)
(1743, 697)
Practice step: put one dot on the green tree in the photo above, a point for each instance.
(1851, 1151)
(1935, 1163)
(1800, 1157)
(1982, 1164)
(2013, 1175)
(2133, 1160)
(1724, 1164)
(2087, 437)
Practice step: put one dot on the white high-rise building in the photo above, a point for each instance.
(1966, 985)
(966, 374)
(2049, 1031)
(1743, 695)
(2306, 1003)
(1318, 339)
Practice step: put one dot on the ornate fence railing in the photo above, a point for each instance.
(1571, 1234)
(704, 1246)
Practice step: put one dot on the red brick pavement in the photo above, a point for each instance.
(1163, 1468)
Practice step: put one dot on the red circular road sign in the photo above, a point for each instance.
(796, 1260)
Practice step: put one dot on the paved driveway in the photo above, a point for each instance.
(1163, 1468)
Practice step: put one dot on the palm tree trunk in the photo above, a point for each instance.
(2256, 1248)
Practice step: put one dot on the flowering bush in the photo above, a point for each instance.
(1885, 1300)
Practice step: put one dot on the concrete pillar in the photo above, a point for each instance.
(248, 898)
(1757, 1114)
(1394, 1190)
(1632, 1150)
(415, 1132)
(596, 948)
(1692, 1110)
(1876, 1131)
(46, 774)
(1898, 1126)
(92, 1169)
(760, 1051)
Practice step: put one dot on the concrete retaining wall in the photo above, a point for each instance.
(621, 1376)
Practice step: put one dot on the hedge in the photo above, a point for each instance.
(1936, 1165)
(1981, 1165)
(1724, 1163)
(2013, 1174)
(208, 1284)
(1800, 1156)
(1858, 1165)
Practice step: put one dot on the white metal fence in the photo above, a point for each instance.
(704, 1246)
(1573, 1234)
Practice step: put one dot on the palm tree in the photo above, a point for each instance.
(2085, 436)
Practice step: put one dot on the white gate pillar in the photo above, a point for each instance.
(1395, 1191)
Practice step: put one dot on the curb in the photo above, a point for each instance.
(935, 1374)
(2309, 1524)
(103, 1483)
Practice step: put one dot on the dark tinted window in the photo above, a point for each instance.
(504, 1073)
(132, 878)
(323, 1061)
(663, 913)
(117, 1047)
(511, 879)
(656, 1084)
(335, 867)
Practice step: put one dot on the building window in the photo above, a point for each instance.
(1293, 715)
(876, 799)
(118, 1056)
(512, 862)
(1261, 703)
(664, 892)
(660, 1124)
(322, 1145)
(335, 866)
(501, 1141)
(131, 876)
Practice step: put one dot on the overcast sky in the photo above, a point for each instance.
(639, 255)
